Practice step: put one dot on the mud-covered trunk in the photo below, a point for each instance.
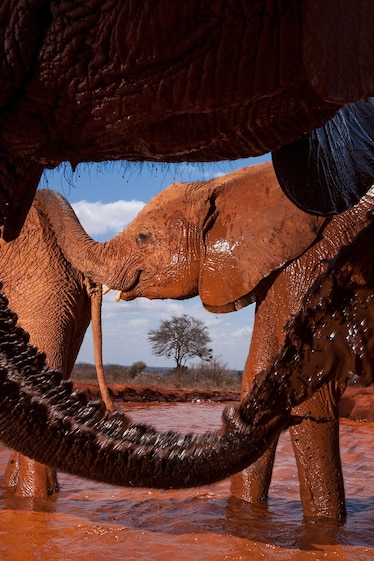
(94, 259)
(333, 335)
(41, 417)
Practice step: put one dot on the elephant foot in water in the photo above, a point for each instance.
(316, 446)
(29, 478)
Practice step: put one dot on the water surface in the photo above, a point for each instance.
(91, 521)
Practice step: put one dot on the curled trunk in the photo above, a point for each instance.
(41, 417)
(92, 258)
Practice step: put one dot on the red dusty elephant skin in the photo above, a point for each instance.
(43, 419)
(174, 81)
(38, 279)
(58, 422)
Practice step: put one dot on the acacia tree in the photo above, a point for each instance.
(181, 338)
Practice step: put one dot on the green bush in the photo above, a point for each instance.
(136, 368)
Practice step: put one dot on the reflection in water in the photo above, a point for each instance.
(92, 521)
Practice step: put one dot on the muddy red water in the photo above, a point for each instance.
(91, 521)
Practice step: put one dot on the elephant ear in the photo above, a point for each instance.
(252, 230)
(329, 169)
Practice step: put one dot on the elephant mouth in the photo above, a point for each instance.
(127, 291)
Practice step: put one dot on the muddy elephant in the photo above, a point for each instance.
(51, 233)
(54, 236)
(232, 250)
(54, 303)
(164, 82)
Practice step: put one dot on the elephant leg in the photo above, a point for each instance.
(252, 484)
(30, 478)
(316, 446)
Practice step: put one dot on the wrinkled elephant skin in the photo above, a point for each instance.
(36, 277)
(176, 247)
(47, 412)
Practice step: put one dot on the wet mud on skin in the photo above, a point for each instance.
(89, 520)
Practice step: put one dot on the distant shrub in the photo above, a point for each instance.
(114, 373)
(206, 376)
(84, 372)
(213, 375)
(136, 368)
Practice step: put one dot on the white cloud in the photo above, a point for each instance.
(106, 218)
(135, 323)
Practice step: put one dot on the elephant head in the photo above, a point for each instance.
(217, 239)
(228, 249)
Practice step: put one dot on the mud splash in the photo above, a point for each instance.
(92, 521)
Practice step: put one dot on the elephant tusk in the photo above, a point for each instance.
(118, 297)
(106, 289)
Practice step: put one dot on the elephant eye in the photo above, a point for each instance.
(142, 238)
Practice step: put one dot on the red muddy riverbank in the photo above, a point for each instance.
(357, 402)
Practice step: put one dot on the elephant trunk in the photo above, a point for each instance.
(41, 417)
(92, 258)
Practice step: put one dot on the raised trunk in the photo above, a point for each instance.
(92, 258)
(42, 418)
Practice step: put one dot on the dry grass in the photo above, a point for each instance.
(206, 376)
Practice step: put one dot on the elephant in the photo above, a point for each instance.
(55, 236)
(57, 284)
(37, 277)
(166, 82)
(232, 250)
(161, 82)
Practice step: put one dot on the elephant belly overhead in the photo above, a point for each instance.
(164, 82)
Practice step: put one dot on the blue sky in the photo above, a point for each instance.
(106, 197)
